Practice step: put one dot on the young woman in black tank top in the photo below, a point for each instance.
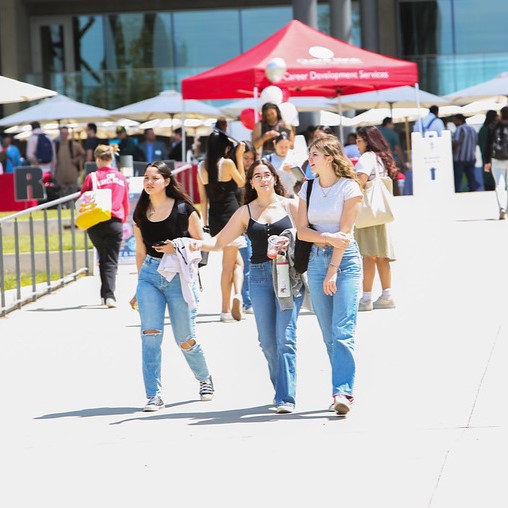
(267, 212)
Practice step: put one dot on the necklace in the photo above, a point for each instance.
(152, 210)
(328, 190)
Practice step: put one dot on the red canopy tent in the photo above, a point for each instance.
(317, 65)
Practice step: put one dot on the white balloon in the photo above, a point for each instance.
(271, 94)
(275, 69)
(289, 113)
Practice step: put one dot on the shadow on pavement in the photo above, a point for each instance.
(258, 414)
(103, 411)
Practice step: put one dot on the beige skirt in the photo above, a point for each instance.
(376, 241)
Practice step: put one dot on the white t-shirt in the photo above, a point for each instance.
(287, 179)
(324, 213)
(367, 164)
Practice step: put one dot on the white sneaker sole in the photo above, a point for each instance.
(284, 410)
(151, 409)
(206, 398)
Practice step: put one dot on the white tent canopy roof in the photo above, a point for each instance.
(491, 88)
(398, 97)
(12, 91)
(57, 109)
(168, 103)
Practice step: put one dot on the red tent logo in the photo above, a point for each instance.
(325, 56)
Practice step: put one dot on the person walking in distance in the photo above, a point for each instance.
(375, 241)
(335, 269)
(496, 160)
(464, 144)
(164, 221)
(107, 236)
(218, 180)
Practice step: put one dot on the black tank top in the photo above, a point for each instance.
(258, 235)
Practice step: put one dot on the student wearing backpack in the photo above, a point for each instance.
(40, 150)
(496, 160)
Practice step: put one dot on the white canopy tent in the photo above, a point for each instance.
(13, 91)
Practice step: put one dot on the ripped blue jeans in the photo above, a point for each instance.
(154, 293)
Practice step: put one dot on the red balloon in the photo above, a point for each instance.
(248, 119)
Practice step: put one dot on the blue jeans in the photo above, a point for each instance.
(154, 293)
(337, 314)
(246, 253)
(276, 332)
(465, 167)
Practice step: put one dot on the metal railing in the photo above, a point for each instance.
(59, 266)
(54, 267)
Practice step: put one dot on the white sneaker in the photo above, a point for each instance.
(250, 310)
(110, 302)
(285, 408)
(381, 303)
(341, 405)
(365, 305)
(226, 317)
(154, 404)
(236, 310)
(502, 214)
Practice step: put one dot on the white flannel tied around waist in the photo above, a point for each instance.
(184, 262)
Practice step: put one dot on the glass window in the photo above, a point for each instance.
(426, 27)
(480, 26)
(52, 45)
(206, 38)
(89, 45)
(259, 23)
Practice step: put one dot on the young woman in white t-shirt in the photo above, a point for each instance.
(375, 242)
(335, 264)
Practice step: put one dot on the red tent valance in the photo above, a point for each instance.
(317, 65)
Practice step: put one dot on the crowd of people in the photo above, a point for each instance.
(64, 158)
(260, 209)
(257, 215)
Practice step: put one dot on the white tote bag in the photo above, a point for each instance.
(93, 206)
(377, 202)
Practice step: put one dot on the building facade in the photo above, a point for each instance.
(110, 52)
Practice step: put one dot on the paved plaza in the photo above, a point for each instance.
(428, 428)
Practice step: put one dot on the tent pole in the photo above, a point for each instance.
(417, 91)
(256, 105)
(341, 126)
(184, 140)
(408, 140)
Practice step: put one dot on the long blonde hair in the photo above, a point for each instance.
(341, 164)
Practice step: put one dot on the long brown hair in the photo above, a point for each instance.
(250, 194)
(342, 165)
(173, 190)
(377, 143)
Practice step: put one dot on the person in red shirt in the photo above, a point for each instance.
(107, 236)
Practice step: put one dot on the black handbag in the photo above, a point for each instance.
(303, 248)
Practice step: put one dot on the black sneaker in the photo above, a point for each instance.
(154, 404)
(206, 389)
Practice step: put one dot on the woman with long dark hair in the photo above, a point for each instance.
(375, 242)
(269, 127)
(491, 118)
(219, 179)
(163, 213)
(267, 212)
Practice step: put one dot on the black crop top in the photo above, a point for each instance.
(173, 226)
(258, 235)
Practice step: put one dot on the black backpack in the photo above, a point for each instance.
(500, 143)
(44, 150)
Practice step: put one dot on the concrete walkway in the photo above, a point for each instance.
(428, 429)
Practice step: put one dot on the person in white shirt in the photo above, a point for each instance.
(375, 241)
(430, 122)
